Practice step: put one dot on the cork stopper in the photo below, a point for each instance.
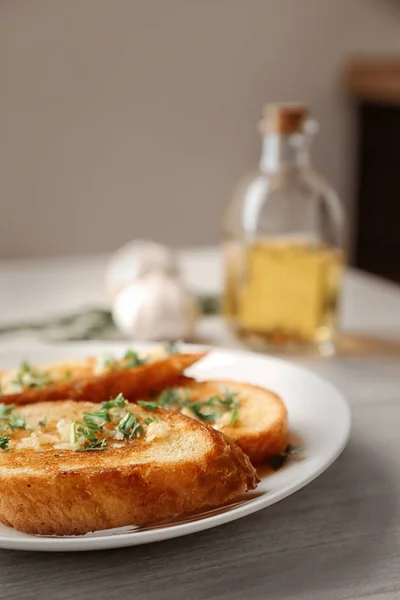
(283, 118)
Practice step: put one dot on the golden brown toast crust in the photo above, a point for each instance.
(133, 383)
(63, 492)
(260, 442)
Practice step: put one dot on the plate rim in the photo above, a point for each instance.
(124, 539)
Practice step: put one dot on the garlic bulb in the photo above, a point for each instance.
(135, 260)
(155, 307)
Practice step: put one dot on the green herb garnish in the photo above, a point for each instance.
(5, 410)
(117, 402)
(98, 417)
(17, 422)
(276, 462)
(222, 403)
(129, 426)
(98, 445)
(148, 405)
(132, 359)
(150, 420)
(29, 377)
(92, 425)
(198, 407)
(169, 397)
(292, 450)
(227, 401)
(88, 429)
(8, 421)
(234, 416)
(4, 441)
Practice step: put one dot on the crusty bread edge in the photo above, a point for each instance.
(134, 384)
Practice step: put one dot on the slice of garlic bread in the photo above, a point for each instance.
(67, 468)
(253, 417)
(94, 379)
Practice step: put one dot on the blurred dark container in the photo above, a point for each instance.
(375, 85)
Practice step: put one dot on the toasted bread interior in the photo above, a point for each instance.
(43, 423)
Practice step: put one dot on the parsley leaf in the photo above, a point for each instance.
(292, 450)
(129, 426)
(222, 403)
(149, 405)
(29, 377)
(98, 445)
(173, 397)
(170, 396)
(117, 402)
(4, 441)
(234, 416)
(276, 462)
(98, 417)
(5, 410)
(17, 422)
(93, 424)
(197, 407)
(132, 359)
(8, 421)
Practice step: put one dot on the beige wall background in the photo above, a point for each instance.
(135, 118)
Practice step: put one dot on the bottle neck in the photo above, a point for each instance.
(283, 151)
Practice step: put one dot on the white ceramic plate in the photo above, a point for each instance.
(318, 415)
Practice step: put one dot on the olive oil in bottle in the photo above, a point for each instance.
(283, 246)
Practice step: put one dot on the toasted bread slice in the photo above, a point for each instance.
(176, 466)
(79, 380)
(259, 421)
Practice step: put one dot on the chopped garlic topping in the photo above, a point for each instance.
(103, 364)
(36, 441)
(63, 428)
(157, 353)
(157, 429)
(224, 419)
(78, 445)
(8, 384)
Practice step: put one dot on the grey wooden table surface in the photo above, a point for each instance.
(337, 538)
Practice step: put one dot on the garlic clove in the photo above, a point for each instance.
(156, 307)
(135, 260)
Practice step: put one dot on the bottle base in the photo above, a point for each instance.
(280, 344)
